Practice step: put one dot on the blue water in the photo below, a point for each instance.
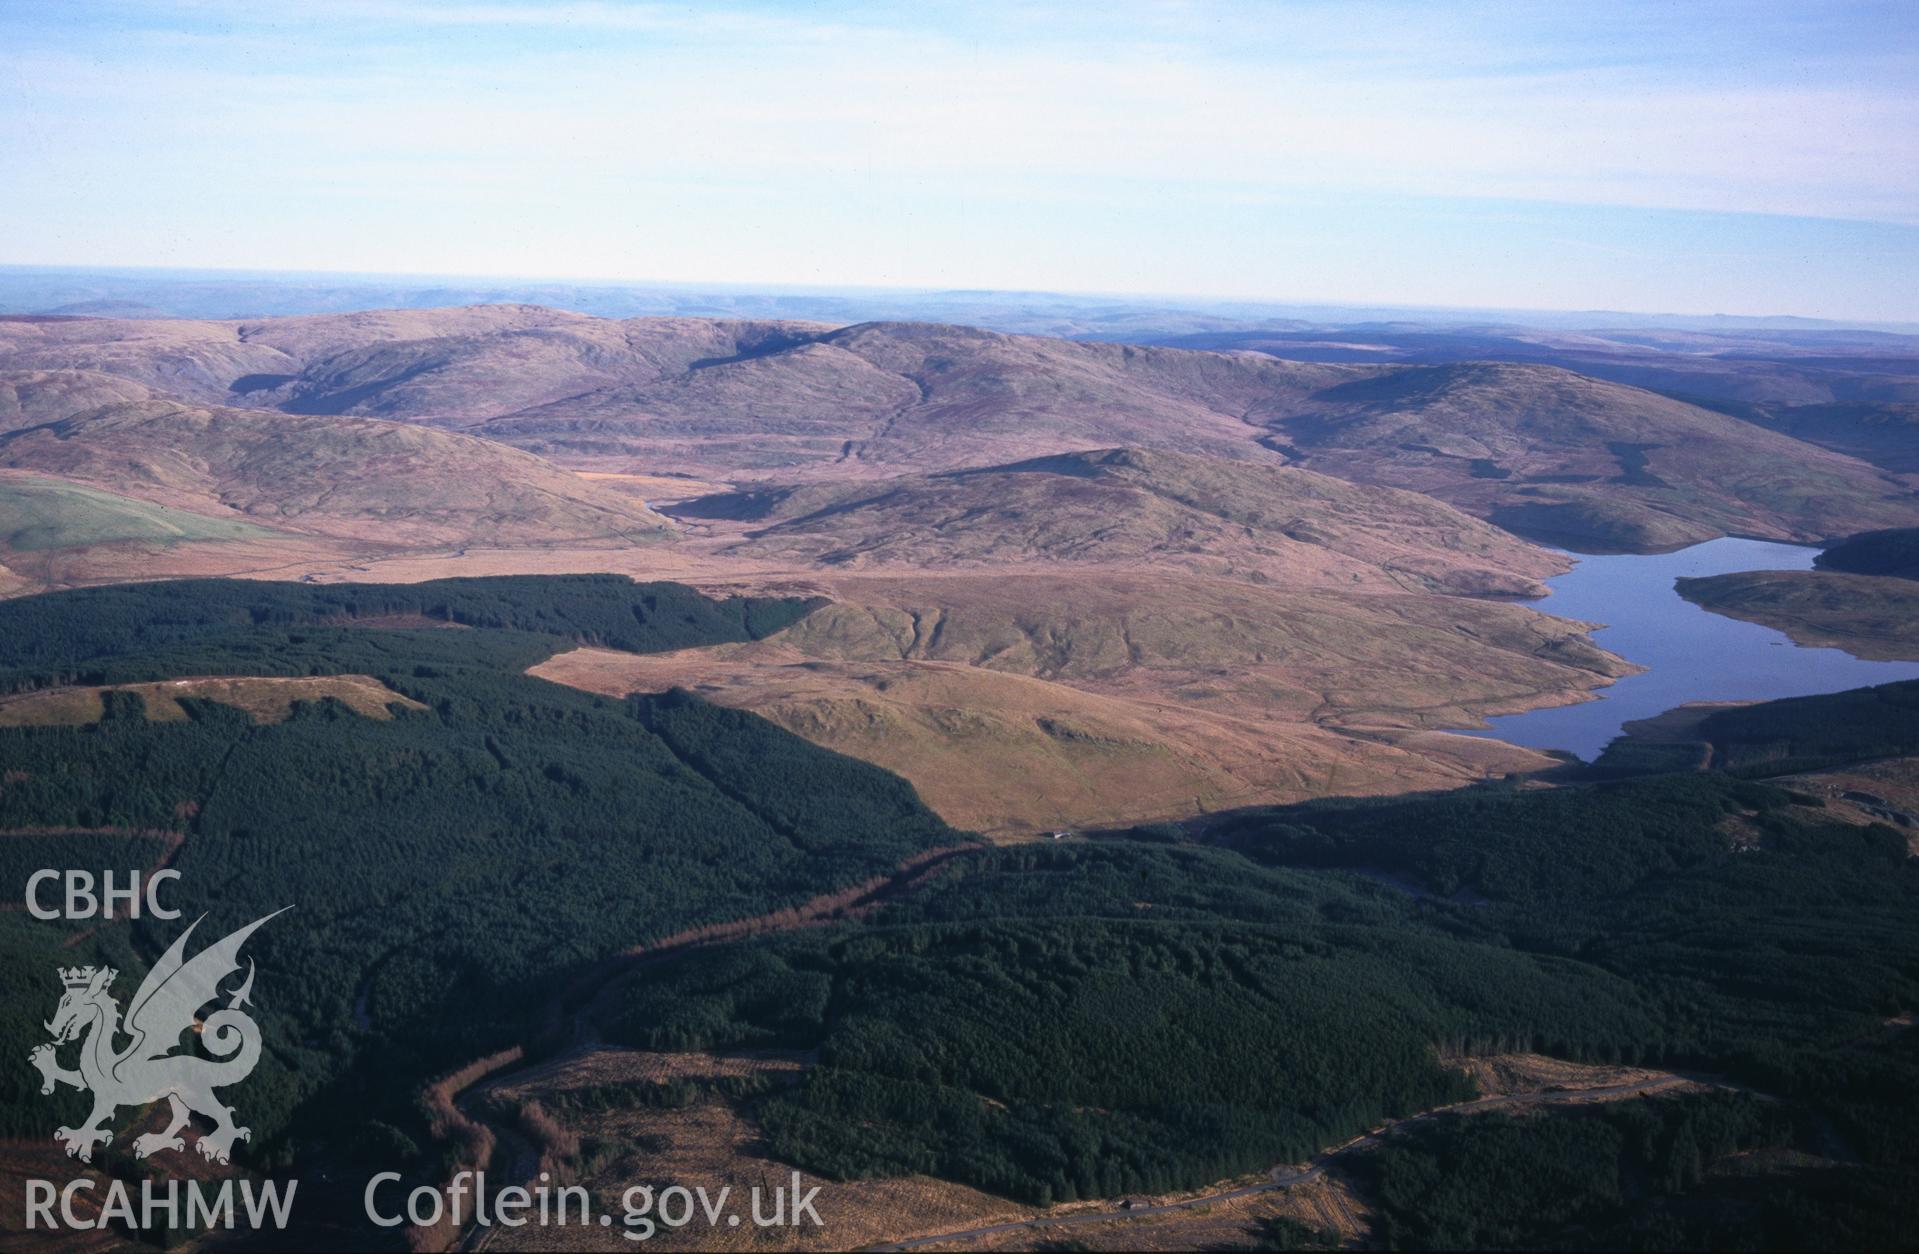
(1693, 655)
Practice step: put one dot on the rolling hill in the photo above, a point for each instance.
(1385, 660)
(1533, 446)
(1851, 391)
(55, 534)
(1134, 508)
(1559, 456)
(31, 397)
(1893, 552)
(1863, 597)
(1885, 433)
(1869, 616)
(1230, 577)
(1011, 754)
(380, 482)
(44, 515)
(1020, 700)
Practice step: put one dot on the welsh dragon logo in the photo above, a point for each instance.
(146, 1069)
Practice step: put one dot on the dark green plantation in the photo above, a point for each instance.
(1144, 1012)
(448, 867)
(156, 630)
(1781, 737)
(1631, 1176)
(1807, 732)
(1083, 1021)
(1891, 552)
(1137, 1017)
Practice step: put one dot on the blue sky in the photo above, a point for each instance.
(1691, 156)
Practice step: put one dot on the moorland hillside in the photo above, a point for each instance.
(1539, 448)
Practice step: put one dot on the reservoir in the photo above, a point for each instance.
(1691, 654)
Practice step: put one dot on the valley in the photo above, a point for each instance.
(1072, 583)
(738, 1101)
(761, 658)
(1703, 643)
(1162, 626)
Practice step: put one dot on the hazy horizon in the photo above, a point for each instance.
(1249, 309)
(1752, 159)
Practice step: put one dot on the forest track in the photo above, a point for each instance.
(566, 1020)
(567, 1032)
(1287, 1175)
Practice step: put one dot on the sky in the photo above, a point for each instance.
(1691, 156)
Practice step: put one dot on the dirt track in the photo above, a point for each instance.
(568, 1016)
(1284, 1177)
(569, 1030)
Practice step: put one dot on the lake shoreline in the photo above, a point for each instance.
(1691, 654)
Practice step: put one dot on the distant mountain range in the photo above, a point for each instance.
(160, 293)
(1541, 449)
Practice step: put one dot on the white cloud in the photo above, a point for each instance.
(752, 93)
(884, 125)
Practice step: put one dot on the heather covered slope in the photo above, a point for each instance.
(1024, 700)
(1864, 598)
(1538, 448)
(1133, 508)
(1869, 616)
(337, 477)
(1551, 453)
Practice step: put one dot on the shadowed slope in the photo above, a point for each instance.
(1554, 454)
(1894, 552)
(1535, 447)
(1009, 754)
(1869, 616)
(1019, 701)
(1133, 508)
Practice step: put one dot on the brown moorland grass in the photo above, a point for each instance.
(1245, 691)
(372, 485)
(266, 699)
(649, 488)
(1011, 755)
(1869, 616)
(1548, 449)
(1133, 509)
(1886, 791)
